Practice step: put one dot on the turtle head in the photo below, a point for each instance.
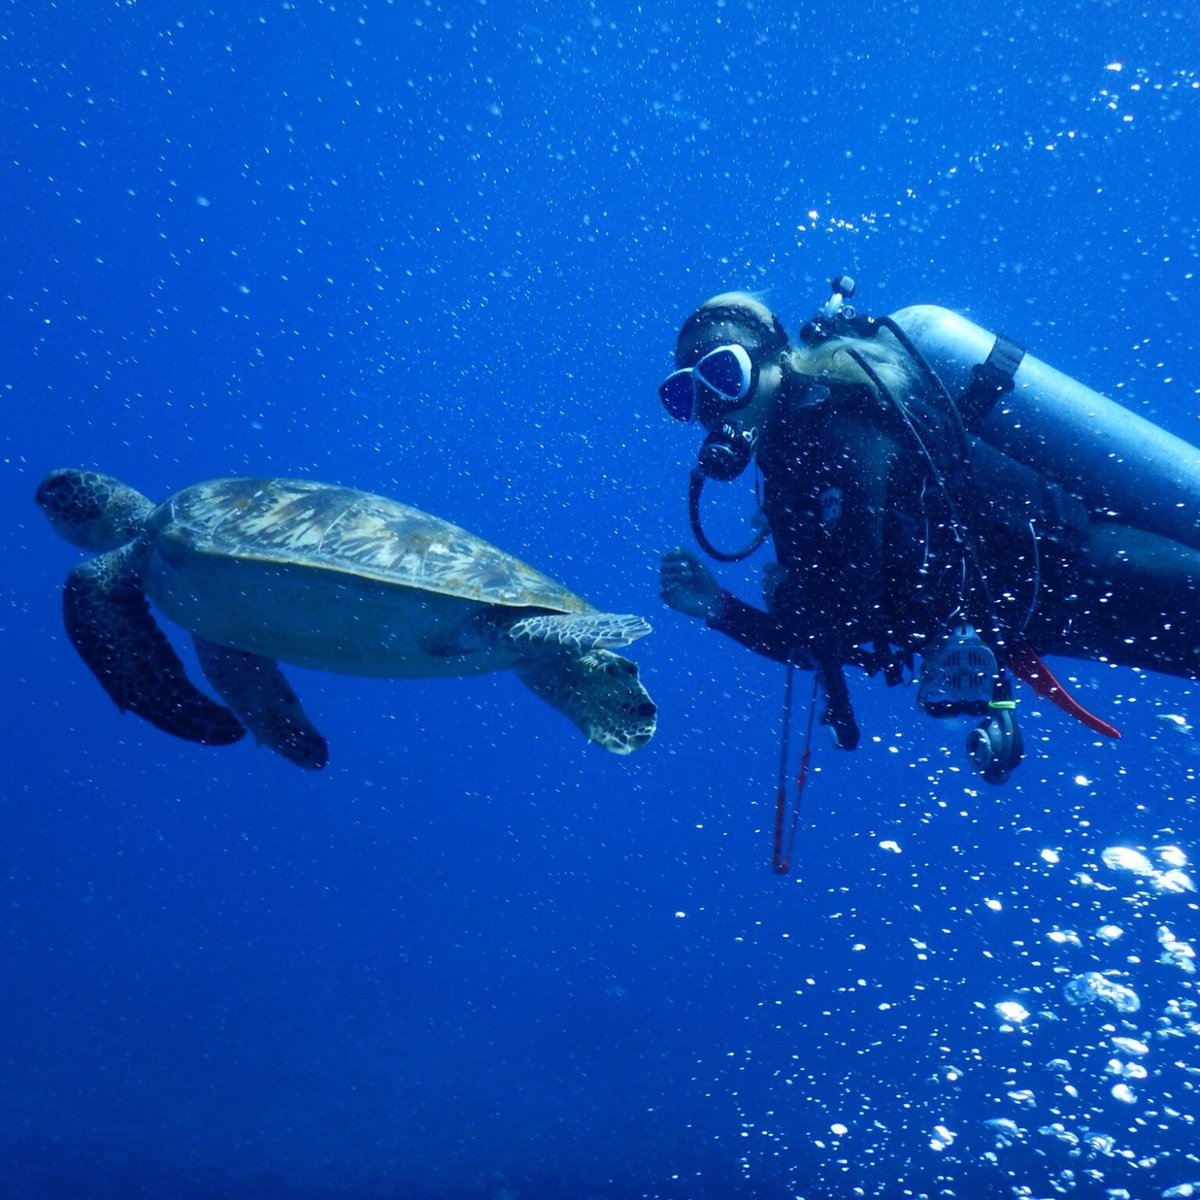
(91, 510)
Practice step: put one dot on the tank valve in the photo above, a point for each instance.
(838, 305)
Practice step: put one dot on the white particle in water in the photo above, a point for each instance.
(1093, 988)
(1125, 858)
(1177, 720)
(1175, 953)
(1128, 1045)
(1174, 881)
(941, 1138)
(1010, 1010)
(1064, 937)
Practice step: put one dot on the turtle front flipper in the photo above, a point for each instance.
(109, 622)
(579, 631)
(599, 691)
(255, 688)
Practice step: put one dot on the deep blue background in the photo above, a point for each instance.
(440, 251)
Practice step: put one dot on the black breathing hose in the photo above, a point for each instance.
(695, 487)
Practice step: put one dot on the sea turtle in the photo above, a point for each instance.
(327, 577)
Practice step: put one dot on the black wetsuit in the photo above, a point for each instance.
(876, 552)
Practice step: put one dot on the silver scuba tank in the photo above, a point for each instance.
(1125, 468)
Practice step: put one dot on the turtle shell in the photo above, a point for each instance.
(298, 523)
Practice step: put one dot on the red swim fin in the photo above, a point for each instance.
(1027, 665)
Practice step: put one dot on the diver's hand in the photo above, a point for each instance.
(686, 584)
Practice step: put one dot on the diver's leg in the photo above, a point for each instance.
(1138, 602)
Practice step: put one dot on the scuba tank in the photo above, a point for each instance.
(1125, 469)
(1117, 462)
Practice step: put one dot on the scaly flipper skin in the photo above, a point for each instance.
(579, 631)
(108, 620)
(256, 689)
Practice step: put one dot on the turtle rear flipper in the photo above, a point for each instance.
(578, 631)
(256, 689)
(599, 691)
(109, 622)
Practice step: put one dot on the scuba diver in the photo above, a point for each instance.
(932, 490)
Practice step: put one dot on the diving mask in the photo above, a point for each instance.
(718, 383)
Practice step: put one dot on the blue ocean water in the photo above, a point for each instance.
(440, 251)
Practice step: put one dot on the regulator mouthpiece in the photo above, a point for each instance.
(726, 452)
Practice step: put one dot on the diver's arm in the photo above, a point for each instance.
(688, 586)
(765, 634)
(762, 632)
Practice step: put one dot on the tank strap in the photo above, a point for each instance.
(990, 379)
